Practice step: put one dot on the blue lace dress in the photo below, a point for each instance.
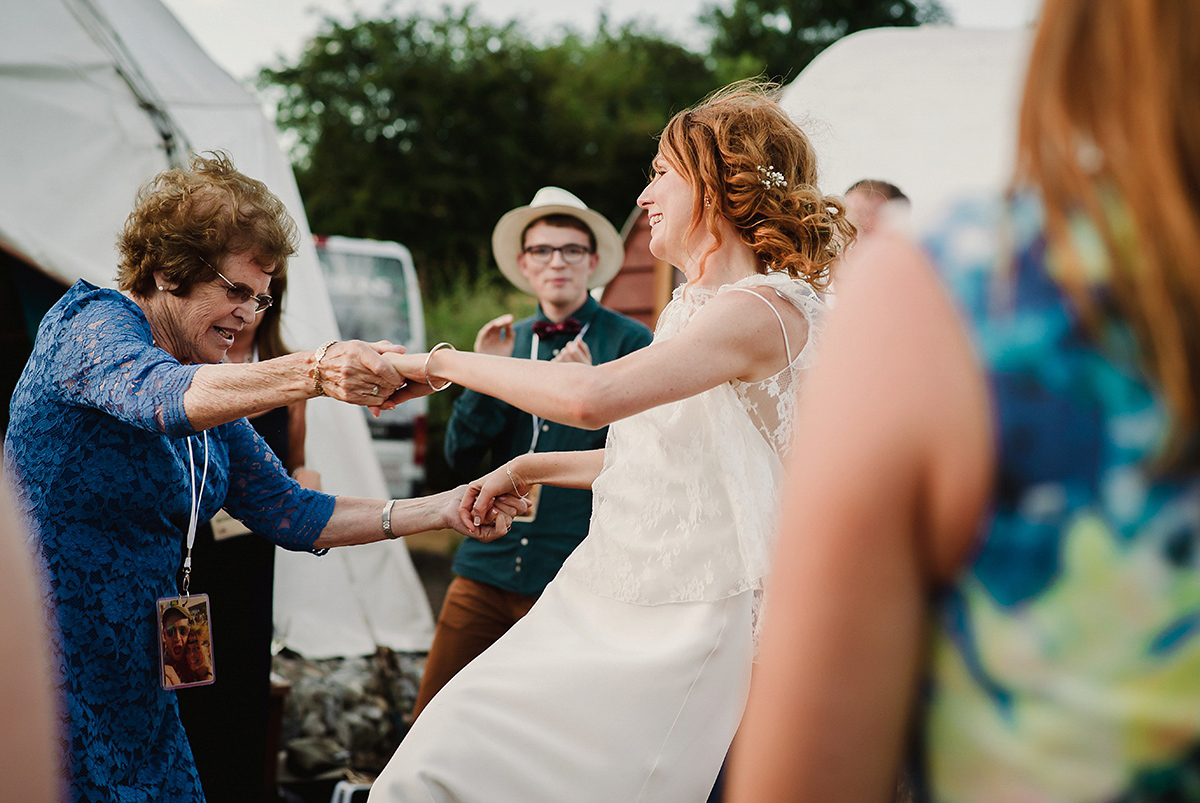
(1065, 659)
(97, 442)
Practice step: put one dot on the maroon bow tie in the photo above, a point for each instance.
(544, 329)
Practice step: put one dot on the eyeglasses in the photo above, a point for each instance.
(240, 293)
(173, 630)
(571, 254)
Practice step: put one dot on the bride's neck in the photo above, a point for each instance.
(730, 263)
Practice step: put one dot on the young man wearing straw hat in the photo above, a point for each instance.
(555, 249)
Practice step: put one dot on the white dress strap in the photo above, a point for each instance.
(786, 345)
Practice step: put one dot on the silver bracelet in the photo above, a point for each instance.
(443, 344)
(511, 479)
(387, 518)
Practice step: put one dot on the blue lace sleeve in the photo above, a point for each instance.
(104, 358)
(263, 497)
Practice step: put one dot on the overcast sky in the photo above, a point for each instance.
(244, 35)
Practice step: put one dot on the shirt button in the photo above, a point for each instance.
(545, 427)
(524, 542)
(518, 559)
(518, 568)
(555, 352)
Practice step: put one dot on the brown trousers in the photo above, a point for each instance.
(474, 615)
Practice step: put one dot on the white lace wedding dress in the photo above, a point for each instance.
(627, 679)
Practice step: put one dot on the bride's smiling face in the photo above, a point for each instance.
(669, 201)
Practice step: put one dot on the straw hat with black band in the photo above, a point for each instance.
(507, 245)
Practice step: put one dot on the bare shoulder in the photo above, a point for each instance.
(748, 309)
(911, 378)
(748, 324)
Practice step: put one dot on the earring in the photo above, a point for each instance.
(160, 287)
(707, 201)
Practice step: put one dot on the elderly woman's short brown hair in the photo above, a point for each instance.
(185, 221)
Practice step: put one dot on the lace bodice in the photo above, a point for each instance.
(771, 402)
(684, 508)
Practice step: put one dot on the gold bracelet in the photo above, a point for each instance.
(318, 388)
(387, 518)
(513, 480)
(443, 344)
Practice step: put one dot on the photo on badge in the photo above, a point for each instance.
(185, 642)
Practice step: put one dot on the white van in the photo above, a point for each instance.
(375, 294)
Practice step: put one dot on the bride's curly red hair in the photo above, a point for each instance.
(738, 147)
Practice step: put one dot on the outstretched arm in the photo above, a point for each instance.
(261, 495)
(350, 371)
(881, 504)
(358, 521)
(732, 337)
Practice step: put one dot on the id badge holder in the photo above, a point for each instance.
(184, 634)
(185, 643)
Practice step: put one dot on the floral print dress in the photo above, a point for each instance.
(1065, 661)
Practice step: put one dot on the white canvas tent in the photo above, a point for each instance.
(96, 97)
(930, 109)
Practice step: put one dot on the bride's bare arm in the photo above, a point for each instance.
(564, 469)
(350, 371)
(733, 336)
(519, 475)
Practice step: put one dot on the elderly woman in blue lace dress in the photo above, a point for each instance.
(125, 428)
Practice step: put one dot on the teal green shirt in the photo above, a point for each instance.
(485, 433)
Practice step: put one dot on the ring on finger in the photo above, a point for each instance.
(374, 390)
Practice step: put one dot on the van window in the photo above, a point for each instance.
(369, 296)
(374, 292)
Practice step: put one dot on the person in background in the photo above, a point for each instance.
(989, 539)
(241, 572)
(176, 624)
(126, 429)
(554, 249)
(197, 662)
(870, 202)
(627, 679)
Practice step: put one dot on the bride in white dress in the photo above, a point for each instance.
(627, 679)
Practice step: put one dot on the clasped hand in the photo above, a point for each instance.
(414, 381)
(491, 520)
(376, 375)
(495, 498)
(357, 372)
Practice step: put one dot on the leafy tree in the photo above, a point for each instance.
(778, 38)
(612, 96)
(426, 130)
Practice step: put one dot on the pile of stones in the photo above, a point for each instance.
(346, 713)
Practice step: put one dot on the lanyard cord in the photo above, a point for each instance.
(533, 355)
(194, 518)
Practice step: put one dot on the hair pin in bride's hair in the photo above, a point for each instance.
(771, 178)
